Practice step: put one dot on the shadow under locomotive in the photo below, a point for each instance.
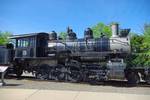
(113, 83)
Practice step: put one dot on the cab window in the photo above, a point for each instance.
(26, 42)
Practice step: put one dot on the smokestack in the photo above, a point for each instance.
(115, 29)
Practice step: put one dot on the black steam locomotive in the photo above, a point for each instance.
(90, 59)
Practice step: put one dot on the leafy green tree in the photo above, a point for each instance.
(136, 44)
(146, 45)
(63, 35)
(4, 37)
(146, 41)
(101, 28)
(141, 48)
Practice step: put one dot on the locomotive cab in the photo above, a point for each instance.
(30, 45)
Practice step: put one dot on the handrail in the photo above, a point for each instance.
(123, 43)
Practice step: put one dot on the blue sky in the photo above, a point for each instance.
(25, 16)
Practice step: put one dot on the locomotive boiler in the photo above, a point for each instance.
(93, 49)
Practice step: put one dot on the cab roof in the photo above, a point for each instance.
(27, 35)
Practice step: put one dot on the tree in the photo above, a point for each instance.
(4, 37)
(63, 35)
(141, 48)
(101, 28)
(146, 45)
(136, 44)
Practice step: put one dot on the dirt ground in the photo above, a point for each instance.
(29, 82)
